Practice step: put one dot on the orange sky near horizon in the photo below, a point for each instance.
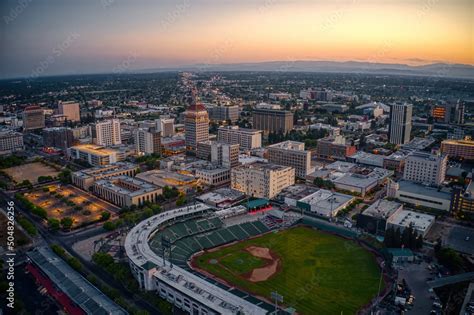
(393, 32)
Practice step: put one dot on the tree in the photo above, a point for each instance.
(65, 176)
(66, 223)
(53, 224)
(181, 200)
(26, 183)
(102, 259)
(105, 215)
(109, 226)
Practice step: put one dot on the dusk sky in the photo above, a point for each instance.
(90, 36)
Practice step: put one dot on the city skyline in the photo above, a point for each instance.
(64, 37)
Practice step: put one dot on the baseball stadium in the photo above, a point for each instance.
(231, 261)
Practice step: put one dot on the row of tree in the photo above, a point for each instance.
(409, 238)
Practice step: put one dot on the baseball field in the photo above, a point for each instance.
(315, 272)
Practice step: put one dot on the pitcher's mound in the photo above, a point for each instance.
(271, 267)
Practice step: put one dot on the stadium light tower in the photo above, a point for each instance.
(278, 298)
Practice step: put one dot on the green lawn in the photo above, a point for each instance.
(320, 273)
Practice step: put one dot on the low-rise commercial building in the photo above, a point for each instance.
(84, 179)
(95, 154)
(374, 218)
(362, 183)
(403, 219)
(162, 178)
(125, 191)
(324, 202)
(213, 176)
(11, 142)
(420, 195)
(222, 198)
(365, 158)
(334, 148)
(262, 180)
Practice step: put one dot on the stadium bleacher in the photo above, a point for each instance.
(193, 235)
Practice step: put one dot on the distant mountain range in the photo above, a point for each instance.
(440, 70)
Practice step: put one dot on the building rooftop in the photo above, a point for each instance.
(81, 291)
(426, 156)
(105, 170)
(237, 128)
(382, 208)
(418, 221)
(264, 166)
(288, 145)
(163, 178)
(226, 196)
(297, 192)
(341, 166)
(426, 191)
(127, 185)
(459, 142)
(326, 201)
(368, 158)
(418, 143)
(94, 149)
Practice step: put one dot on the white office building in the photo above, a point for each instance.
(425, 168)
(248, 139)
(291, 153)
(107, 132)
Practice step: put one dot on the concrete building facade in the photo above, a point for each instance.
(262, 180)
(291, 153)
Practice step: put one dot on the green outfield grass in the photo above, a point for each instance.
(320, 273)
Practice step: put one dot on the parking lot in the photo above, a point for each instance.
(415, 275)
(62, 201)
(461, 239)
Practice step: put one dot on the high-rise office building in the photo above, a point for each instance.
(107, 132)
(70, 110)
(248, 139)
(33, 118)
(166, 126)
(272, 120)
(219, 153)
(59, 137)
(291, 153)
(448, 113)
(196, 126)
(425, 168)
(222, 113)
(400, 123)
(147, 141)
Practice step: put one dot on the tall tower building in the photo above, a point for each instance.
(196, 126)
(400, 123)
(70, 110)
(272, 120)
(107, 133)
(33, 118)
